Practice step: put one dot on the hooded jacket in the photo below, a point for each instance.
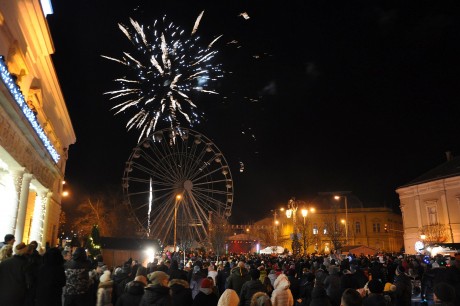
(206, 297)
(133, 294)
(77, 273)
(156, 295)
(180, 292)
(282, 295)
(248, 290)
(238, 276)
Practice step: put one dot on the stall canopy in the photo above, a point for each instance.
(358, 250)
(272, 249)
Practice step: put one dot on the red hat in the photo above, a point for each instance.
(206, 283)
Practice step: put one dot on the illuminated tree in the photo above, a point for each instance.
(93, 243)
(295, 245)
(434, 233)
(219, 230)
(334, 231)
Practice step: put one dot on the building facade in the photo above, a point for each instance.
(35, 127)
(377, 227)
(432, 201)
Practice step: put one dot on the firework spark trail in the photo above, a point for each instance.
(164, 71)
(150, 206)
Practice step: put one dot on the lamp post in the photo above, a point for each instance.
(346, 215)
(304, 236)
(275, 223)
(178, 198)
(292, 212)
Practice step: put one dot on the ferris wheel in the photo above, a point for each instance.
(174, 184)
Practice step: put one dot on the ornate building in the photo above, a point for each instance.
(35, 127)
(324, 227)
(432, 201)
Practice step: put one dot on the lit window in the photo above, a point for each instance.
(315, 229)
(432, 215)
(325, 229)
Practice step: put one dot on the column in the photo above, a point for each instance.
(17, 175)
(38, 218)
(46, 216)
(23, 200)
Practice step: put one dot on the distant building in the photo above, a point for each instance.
(35, 127)
(431, 203)
(379, 228)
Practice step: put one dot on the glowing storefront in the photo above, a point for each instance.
(35, 127)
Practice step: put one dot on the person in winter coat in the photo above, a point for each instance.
(50, 279)
(351, 297)
(445, 295)
(376, 297)
(332, 285)
(268, 286)
(238, 276)
(180, 292)
(104, 290)
(263, 273)
(228, 298)
(319, 297)
(120, 278)
(251, 287)
(206, 296)
(157, 292)
(223, 272)
(6, 252)
(272, 276)
(294, 282)
(306, 285)
(77, 288)
(134, 292)
(195, 282)
(176, 273)
(13, 285)
(402, 289)
(282, 295)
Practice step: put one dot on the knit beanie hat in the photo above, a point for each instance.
(206, 283)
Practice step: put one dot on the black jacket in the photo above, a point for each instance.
(133, 294)
(248, 289)
(156, 295)
(180, 292)
(403, 291)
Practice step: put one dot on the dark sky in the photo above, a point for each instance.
(340, 95)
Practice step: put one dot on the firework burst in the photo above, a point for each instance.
(165, 70)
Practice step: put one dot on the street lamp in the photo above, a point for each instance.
(346, 215)
(292, 212)
(178, 198)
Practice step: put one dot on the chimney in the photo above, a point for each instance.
(448, 155)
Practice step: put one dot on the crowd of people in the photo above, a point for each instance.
(74, 278)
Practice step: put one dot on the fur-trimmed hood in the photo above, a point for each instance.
(179, 282)
(282, 282)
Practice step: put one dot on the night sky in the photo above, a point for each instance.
(340, 95)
